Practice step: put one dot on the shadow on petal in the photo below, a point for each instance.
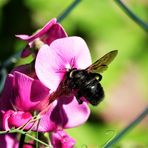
(58, 114)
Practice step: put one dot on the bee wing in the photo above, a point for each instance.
(101, 64)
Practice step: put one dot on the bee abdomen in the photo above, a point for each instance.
(93, 92)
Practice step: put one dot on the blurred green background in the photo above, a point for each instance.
(105, 27)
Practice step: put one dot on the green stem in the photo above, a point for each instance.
(23, 132)
(4, 132)
(37, 135)
(127, 129)
(136, 19)
(68, 10)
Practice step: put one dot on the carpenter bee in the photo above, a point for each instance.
(86, 82)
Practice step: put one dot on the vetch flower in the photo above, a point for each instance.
(51, 65)
(22, 95)
(16, 119)
(53, 61)
(63, 113)
(26, 92)
(50, 32)
(60, 139)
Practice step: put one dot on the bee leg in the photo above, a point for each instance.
(100, 76)
(78, 96)
(97, 75)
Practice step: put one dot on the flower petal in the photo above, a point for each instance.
(28, 92)
(55, 32)
(47, 67)
(64, 113)
(38, 33)
(16, 119)
(26, 52)
(53, 61)
(76, 114)
(5, 118)
(61, 139)
(73, 50)
(26, 69)
(51, 31)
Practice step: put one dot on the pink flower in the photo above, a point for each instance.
(16, 119)
(22, 95)
(51, 64)
(24, 92)
(53, 61)
(27, 91)
(60, 139)
(50, 32)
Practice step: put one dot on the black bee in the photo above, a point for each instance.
(85, 82)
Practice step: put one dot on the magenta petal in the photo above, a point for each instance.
(64, 113)
(6, 118)
(20, 118)
(61, 139)
(39, 93)
(26, 69)
(22, 91)
(38, 33)
(16, 119)
(76, 114)
(26, 52)
(29, 92)
(50, 32)
(53, 61)
(45, 123)
(55, 32)
(23, 36)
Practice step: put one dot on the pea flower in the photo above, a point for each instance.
(51, 65)
(53, 61)
(21, 96)
(50, 32)
(27, 94)
(60, 139)
(27, 91)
